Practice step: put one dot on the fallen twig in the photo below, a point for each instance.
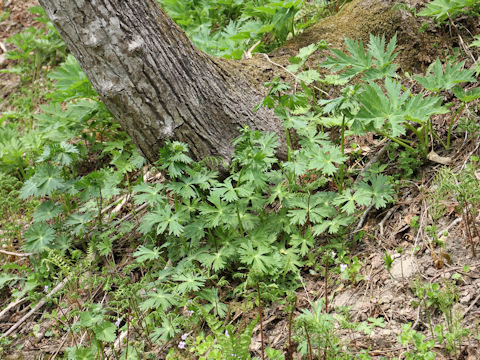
(363, 218)
(385, 218)
(35, 308)
(11, 306)
(11, 253)
(471, 305)
(372, 161)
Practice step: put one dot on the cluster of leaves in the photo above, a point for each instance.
(229, 28)
(372, 98)
(256, 227)
(35, 48)
(442, 10)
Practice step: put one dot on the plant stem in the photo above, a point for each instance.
(290, 350)
(309, 345)
(289, 143)
(326, 283)
(453, 120)
(239, 219)
(342, 140)
(398, 141)
(261, 320)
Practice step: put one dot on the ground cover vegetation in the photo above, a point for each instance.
(129, 260)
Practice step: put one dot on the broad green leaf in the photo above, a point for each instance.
(5, 278)
(38, 237)
(380, 190)
(445, 77)
(327, 159)
(46, 180)
(257, 257)
(466, 96)
(443, 9)
(158, 299)
(358, 61)
(189, 282)
(46, 211)
(105, 331)
(149, 194)
(309, 76)
(145, 254)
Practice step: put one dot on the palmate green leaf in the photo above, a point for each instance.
(145, 254)
(5, 278)
(327, 158)
(174, 158)
(46, 211)
(303, 243)
(299, 208)
(72, 82)
(378, 110)
(189, 282)
(81, 353)
(105, 331)
(63, 153)
(438, 79)
(184, 187)
(211, 296)
(315, 207)
(351, 200)
(79, 222)
(46, 180)
(258, 257)
(149, 194)
(219, 213)
(358, 60)
(164, 219)
(102, 183)
(194, 230)
(158, 299)
(216, 260)
(279, 191)
(380, 191)
(38, 237)
(420, 108)
(382, 56)
(466, 96)
(309, 76)
(375, 63)
(476, 42)
(442, 9)
(321, 206)
(334, 225)
(249, 220)
(168, 329)
(228, 192)
(290, 260)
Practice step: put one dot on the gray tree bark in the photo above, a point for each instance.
(159, 86)
(154, 81)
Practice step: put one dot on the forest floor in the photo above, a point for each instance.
(388, 293)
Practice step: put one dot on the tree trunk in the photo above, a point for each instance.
(154, 81)
(159, 86)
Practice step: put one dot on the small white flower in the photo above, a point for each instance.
(333, 255)
(182, 344)
(367, 277)
(45, 288)
(117, 323)
(343, 267)
(184, 336)
(226, 333)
